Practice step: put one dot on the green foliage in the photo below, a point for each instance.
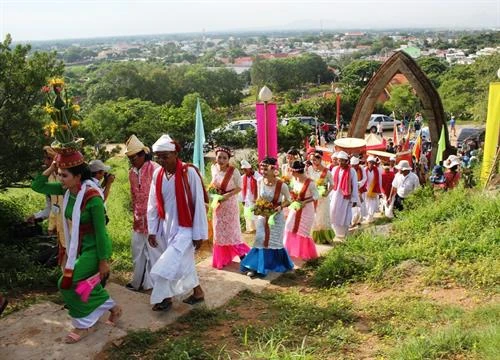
(21, 77)
(453, 237)
(18, 270)
(475, 335)
(433, 67)
(359, 72)
(159, 84)
(457, 91)
(292, 134)
(115, 121)
(289, 73)
(403, 101)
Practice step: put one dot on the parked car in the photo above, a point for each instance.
(387, 122)
(308, 120)
(470, 133)
(238, 125)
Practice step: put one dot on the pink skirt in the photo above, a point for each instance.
(224, 254)
(299, 246)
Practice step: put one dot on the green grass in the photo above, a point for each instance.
(475, 335)
(119, 210)
(453, 236)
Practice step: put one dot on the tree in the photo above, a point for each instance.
(434, 68)
(403, 101)
(359, 72)
(457, 91)
(21, 78)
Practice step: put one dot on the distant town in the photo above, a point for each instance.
(238, 51)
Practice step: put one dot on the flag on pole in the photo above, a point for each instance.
(199, 140)
(441, 146)
(417, 148)
(395, 135)
(406, 145)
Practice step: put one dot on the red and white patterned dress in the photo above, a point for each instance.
(226, 220)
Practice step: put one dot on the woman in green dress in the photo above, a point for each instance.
(89, 246)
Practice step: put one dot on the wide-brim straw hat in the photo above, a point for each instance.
(134, 146)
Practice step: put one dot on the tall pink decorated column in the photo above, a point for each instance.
(267, 125)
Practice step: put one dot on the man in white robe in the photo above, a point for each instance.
(177, 221)
(359, 211)
(373, 187)
(344, 196)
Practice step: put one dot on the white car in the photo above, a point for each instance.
(387, 122)
(238, 125)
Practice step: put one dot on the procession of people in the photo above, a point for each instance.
(289, 207)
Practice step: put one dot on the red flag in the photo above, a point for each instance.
(395, 135)
(417, 148)
(406, 145)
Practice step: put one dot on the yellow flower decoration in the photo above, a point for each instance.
(75, 108)
(56, 82)
(75, 123)
(49, 109)
(50, 128)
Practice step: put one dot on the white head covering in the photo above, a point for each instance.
(371, 158)
(403, 165)
(354, 160)
(245, 164)
(342, 155)
(134, 146)
(98, 165)
(452, 161)
(335, 155)
(392, 158)
(164, 143)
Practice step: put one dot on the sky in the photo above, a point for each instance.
(66, 19)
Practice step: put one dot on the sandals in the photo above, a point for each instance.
(114, 316)
(74, 336)
(165, 305)
(192, 300)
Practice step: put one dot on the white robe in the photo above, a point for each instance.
(372, 204)
(249, 200)
(340, 208)
(175, 272)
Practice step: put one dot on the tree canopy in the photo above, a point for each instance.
(21, 78)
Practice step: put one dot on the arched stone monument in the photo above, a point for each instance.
(432, 107)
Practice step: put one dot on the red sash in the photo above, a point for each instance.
(226, 179)
(302, 197)
(345, 182)
(276, 198)
(359, 174)
(253, 186)
(183, 196)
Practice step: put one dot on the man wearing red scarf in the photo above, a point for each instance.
(249, 193)
(344, 196)
(177, 222)
(373, 187)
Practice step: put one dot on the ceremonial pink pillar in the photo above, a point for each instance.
(267, 130)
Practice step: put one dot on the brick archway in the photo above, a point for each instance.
(432, 107)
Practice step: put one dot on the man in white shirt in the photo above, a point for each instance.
(404, 183)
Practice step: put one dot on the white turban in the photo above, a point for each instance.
(334, 155)
(164, 143)
(371, 158)
(354, 160)
(342, 155)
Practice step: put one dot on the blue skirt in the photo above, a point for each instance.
(263, 260)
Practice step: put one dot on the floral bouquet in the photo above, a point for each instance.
(215, 195)
(64, 114)
(320, 185)
(264, 208)
(286, 179)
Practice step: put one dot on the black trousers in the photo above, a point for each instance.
(398, 202)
